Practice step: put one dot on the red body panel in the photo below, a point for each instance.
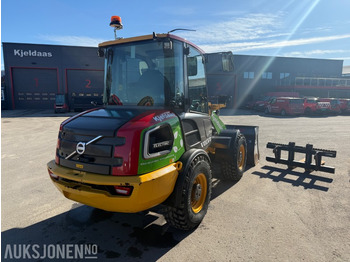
(290, 106)
(131, 149)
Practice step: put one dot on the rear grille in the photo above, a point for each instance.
(97, 158)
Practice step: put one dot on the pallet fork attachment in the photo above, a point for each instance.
(309, 151)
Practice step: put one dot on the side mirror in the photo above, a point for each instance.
(101, 52)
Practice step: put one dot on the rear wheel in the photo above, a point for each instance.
(195, 198)
(233, 168)
(308, 111)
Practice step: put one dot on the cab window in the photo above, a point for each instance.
(197, 88)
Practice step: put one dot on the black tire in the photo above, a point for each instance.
(233, 168)
(308, 111)
(195, 197)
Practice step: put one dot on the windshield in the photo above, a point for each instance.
(335, 102)
(60, 99)
(312, 101)
(147, 73)
(296, 101)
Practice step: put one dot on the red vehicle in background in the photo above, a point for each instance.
(313, 105)
(261, 104)
(335, 104)
(61, 103)
(286, 106)
(344, 105)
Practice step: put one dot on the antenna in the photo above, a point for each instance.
(181, 29)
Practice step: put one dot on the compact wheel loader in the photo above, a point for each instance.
(155, 140)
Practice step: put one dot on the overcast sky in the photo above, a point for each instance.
(297, 28)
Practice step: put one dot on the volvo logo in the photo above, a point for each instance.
(80, 148)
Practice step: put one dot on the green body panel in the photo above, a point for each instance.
(217, 123)
(149, 165)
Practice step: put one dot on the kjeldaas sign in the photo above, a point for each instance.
(31, 53)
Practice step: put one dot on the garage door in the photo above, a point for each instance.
(34, 88)
(84, 86)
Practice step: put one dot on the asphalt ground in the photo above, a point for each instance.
(271, 214)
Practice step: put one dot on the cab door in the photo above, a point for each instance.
(273, 107)
(195, 120)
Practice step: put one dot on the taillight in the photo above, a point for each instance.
(57, 158)
(117, 169)
(123, 190)
(52, 175)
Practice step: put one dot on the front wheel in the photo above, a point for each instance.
(233, 168)
(195, 197)
(308, 111)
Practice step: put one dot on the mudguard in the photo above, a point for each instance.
(223, 144)
(251, 134)
(175, 198)
(227, 137)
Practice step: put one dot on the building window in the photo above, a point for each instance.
(342, 82)
(227, 63)
(314, 82)
(248, 75)
(284, 75)
(266, 75)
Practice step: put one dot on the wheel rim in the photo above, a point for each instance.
(199, 193)
(241, 157)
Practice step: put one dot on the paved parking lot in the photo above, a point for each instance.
(271, 214)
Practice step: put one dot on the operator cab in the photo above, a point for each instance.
(155, 70)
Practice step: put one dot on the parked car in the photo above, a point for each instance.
(313, 105)
(335, 104)
(261, 104)
(286, 106)
(61, 103)
(344, 105)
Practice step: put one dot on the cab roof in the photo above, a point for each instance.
(147, 37)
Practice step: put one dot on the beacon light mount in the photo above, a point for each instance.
(116, 22)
